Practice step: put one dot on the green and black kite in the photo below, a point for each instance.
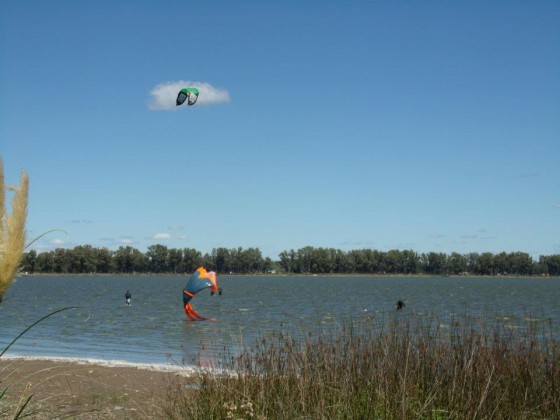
(187, 94)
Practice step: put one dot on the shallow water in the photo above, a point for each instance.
(154, 330)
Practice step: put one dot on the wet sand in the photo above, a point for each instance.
(69, 389)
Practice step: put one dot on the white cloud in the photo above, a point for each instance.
(162, 236)
(168, 237)
(45, 246)
(164, 95)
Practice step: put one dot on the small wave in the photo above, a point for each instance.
(159, 367)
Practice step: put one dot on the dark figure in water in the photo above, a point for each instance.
(127, 298)
(399, 305)
(220, 291)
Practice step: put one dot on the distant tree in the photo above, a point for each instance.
(221, 259)
(236, 262)
(373, 261)
(81, 259)
(124, 259)
(304, 260)
(139, 261)
(104, 261)
(157, 258)
(486, 264)
(253, 261)
(501, 264)
(29, 261)
(323, 261)
(358, 259)
(192, 259)
(411, 262)
(434, 263)
(268, 265)
(207, 261)
(550, 264)
(342, 263)
(456, 263)
(520, 263)
(473, 262)
(160, 259)
(175, 261)
(396, 261)
(45, 262)
(288, 261)
(61, 263)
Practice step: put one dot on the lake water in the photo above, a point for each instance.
(154, 329)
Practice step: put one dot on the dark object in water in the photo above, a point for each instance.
(399, 305)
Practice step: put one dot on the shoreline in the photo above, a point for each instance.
(373, 275)
(112, 363)
(85, 388)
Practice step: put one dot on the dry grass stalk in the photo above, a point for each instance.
(12, 229)
(398, 369)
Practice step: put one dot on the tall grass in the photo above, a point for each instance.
(12, 229)
(402, 368)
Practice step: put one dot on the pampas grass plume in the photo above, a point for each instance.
(12, 229)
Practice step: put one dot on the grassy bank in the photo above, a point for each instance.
(405, 367)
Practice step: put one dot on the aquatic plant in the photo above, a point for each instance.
(402, 367)
(12, 229)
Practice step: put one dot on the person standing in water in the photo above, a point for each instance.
(127, 297)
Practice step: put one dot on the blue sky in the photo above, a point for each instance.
(432, 126)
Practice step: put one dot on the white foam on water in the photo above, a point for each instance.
(157, 367)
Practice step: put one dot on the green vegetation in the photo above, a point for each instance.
(404, 367)
(307, 260)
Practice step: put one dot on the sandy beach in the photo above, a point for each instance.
(82, 389)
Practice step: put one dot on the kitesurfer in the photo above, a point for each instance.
(127, 297)
(399, 305)
(199, 280)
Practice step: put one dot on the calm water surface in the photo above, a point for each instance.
(154, 329)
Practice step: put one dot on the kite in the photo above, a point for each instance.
(201, 279)
(187, 94)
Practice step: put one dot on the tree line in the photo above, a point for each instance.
(307, 260)
(157, 259)
(370, 261)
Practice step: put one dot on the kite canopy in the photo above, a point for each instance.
(187, 94)
(200, 280)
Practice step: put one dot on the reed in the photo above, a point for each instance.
(403, 367)
(12, 229)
